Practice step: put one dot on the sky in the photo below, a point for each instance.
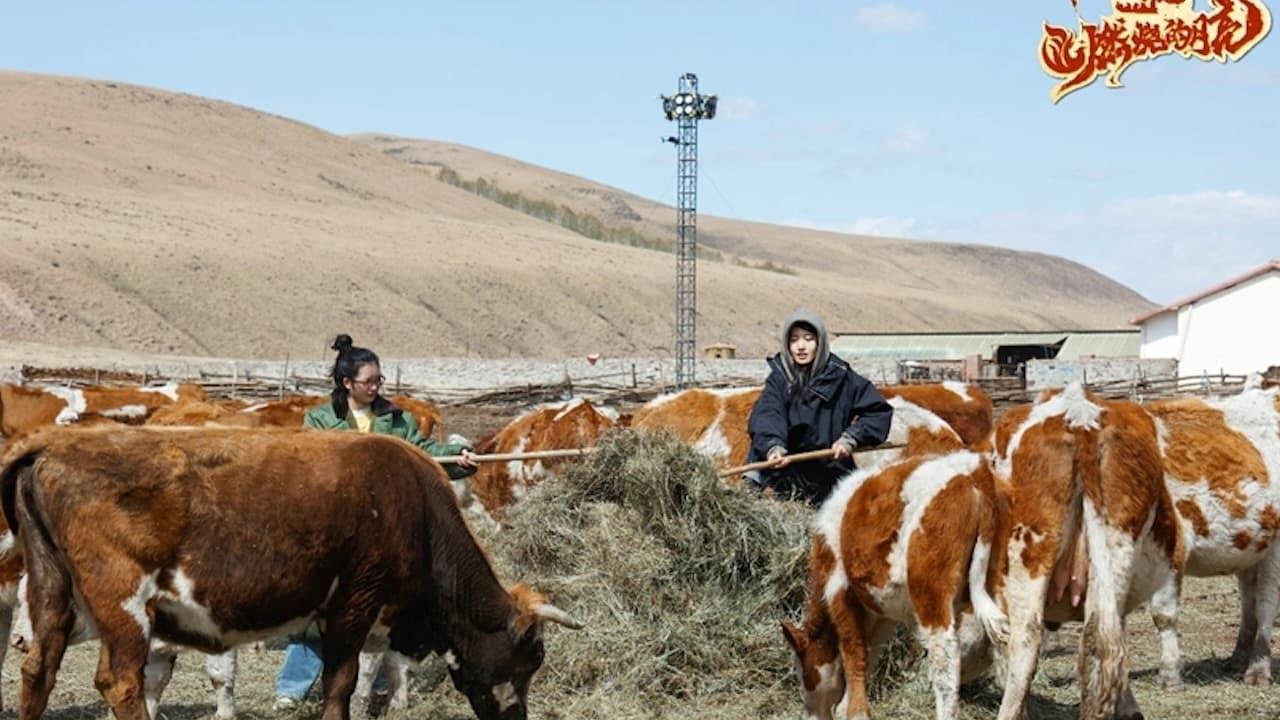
(928, 120)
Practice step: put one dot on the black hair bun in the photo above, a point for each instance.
(342, 342)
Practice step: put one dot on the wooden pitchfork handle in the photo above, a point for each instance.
(801, 457)
(508, 457)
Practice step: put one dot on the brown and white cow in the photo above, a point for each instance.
(1066, 468)
(906, 543)
(559, 426)
(285, 413)
(221, 667)
(714, 422)
(964, 408)
(23, 409)
(211, 538)
(1085, 487)
(1222, 467)
(15, 629)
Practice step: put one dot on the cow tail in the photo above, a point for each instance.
(20, 479)
(18, 459)
(1101, 663)
(993, 619)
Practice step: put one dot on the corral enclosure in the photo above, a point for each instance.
(693, 634)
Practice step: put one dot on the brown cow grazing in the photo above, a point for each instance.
(211, 538)
(24, 409)
(559, 426)
(1222, 467)
(914, 540)
(714, 422)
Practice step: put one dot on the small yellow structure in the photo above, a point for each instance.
(720, 351)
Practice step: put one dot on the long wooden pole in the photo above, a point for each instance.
(508, 457)
(801, 457)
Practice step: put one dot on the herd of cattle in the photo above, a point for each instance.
(979, 533)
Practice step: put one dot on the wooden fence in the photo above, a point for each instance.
(616, 387)
(619, 387)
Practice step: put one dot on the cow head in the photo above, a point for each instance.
(494, 672)
(817, 662)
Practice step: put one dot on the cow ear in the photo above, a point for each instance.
(794, 637)
(522, 628)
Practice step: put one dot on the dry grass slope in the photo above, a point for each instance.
(152, 221)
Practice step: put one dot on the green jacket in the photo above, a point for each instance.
(389, 420)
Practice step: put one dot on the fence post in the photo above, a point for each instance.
(284, 374)
(397, 378)
(633, 376)
(97, 379)
(235, 379)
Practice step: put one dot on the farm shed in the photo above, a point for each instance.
(1001, 348)
(1222, 329)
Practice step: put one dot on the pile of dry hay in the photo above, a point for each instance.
(680, 580)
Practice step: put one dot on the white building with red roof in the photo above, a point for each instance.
(1232, 327)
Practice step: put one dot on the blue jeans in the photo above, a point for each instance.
(302, 667)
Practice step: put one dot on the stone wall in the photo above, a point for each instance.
(1043, 374)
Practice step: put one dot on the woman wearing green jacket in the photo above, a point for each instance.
(356, 404)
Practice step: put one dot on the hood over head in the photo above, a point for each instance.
(796, 374)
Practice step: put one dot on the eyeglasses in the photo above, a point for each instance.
(371, 382)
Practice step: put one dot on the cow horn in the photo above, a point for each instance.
(547, 611)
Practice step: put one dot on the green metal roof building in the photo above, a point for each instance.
(1001, 347)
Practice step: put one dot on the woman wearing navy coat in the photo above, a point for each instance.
(812, 400)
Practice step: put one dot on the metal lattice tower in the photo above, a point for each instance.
(687, 107)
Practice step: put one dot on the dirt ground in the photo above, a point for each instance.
(1208, 633)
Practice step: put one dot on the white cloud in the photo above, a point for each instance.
(907, 141)
(887, 17)
(1163, 246)
(883, 226)
(738, 108)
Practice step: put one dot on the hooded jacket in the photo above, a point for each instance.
(388, 419)
(810, 408)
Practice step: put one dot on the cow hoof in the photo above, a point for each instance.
(1259, 674)
(1171, 681)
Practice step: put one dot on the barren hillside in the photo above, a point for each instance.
(145, 220)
